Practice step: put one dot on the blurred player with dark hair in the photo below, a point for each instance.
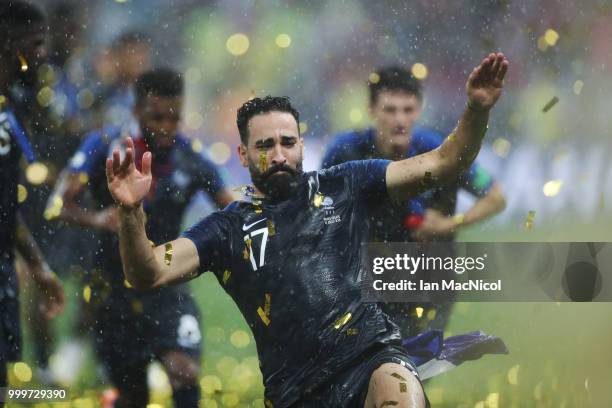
(22, 48)
(396, 101)
(290, 257)
(132, 327)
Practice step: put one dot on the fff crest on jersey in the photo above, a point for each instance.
(329, 211)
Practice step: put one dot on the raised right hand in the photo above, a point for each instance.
(127, 185)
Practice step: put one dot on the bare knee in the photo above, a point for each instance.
(182, 370)
(392, 385)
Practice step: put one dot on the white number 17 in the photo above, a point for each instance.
(262, 247)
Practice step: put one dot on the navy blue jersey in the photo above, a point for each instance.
(391, 224)
(177, 178)
(295, 271)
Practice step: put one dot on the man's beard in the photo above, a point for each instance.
(278, 187)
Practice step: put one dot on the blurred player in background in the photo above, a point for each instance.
(290, 258)
(396, 102)
(22, 36)
(132, 327)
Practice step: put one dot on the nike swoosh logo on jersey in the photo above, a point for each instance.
(246, 227)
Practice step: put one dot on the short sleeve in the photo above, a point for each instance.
(211, 236)
(368, 178)
(476, 180)
(89, 154)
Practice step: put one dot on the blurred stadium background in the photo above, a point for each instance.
(321, 53)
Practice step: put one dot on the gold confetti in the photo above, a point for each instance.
(127, 284)
(352, 331)
(264, 313)
(452, 137)
(2, 100)
(374, 78)
(87, 293)
(226, 275)
(530, 219)
(263, 162)
(403, 387)
(245, 253)
(22, 193)
(343, 320)
(168, 253)
(23, 64)
(389, 404)
(22, 371)
(550, 104)
(431, 314)
(419, 70)
(263, 316)
(399, 377)
(269, 404)
(318, 200)
(419, 311)
(258, 210)
(152, 244)
(271, 228)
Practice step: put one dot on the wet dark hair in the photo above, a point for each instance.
(16, 18)
(394, 78)
(163, 82)
(258, 106)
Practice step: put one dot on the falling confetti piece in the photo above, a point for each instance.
(152, 244)
(258, 210)
(550, 104)
(343, 320)
(271, 228)
(452, 137)
(83, 178)
(352, 331)
(226, 275)
(127, 284)
(22, 62)
(389, 404)
(168, 253)
(269, 404)
(530, 219)
(551, 188)
(245, 253)
(399, 377)
(318, 200)
(403, 387)
(86, 293)
(419, 311)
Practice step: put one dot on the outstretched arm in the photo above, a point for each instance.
(409, 177)
(144, 266)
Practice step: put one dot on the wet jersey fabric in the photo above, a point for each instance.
(294, 269)
(393, 225)
(177, 177)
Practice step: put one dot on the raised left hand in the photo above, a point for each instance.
(485, 83)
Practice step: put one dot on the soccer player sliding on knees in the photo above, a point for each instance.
(289, 255)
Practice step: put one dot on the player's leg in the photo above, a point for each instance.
(393, 385)
(119, 346)
(177, 343)
(183, 372)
